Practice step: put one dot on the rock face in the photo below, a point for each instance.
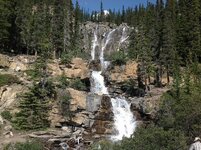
(21, 63)
(76, 69)
(119, 35)
(4, 61)
(146, 107)
(78, 101)
(123, 73)
(103, 121)
(8, 95)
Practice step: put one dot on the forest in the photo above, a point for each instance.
(166, 39)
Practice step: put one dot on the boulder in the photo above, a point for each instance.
(93, 102)
(78, 101)
(18, 66)
(123, 73)
(4, 61)
(54, 69)
(78, 69)
(8, 95)
(80, 120)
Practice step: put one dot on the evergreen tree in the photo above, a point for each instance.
(5, 24)
(168, 48)
(34, 108)
(101, 17)
(58, 28)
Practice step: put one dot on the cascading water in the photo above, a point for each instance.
(123, 118)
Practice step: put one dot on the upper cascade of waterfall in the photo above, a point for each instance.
(124, 121)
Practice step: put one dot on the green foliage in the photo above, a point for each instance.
(154, 138)
(119, 58)
(6, 115)
(64, 81)
(29, 145)
(34, 107)
(78, 84)
(66, 58)
(183, 112)
(64, 102)
(102, 145)
(8, 79)
(39, 69)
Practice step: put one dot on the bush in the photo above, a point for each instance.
(8, 79)
(182, 112)
(102, 145)
(33, 145)
(64, 82)
(66, 58)
(65, 105)
(119, 58)
(154, 138)
(78, 85)
(6, 115)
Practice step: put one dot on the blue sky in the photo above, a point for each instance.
(110, 4)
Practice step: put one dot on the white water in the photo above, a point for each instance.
(95, 44)
(123, 118)
(98, 86)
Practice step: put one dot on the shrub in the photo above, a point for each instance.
(66, 58)
(8, 79)
(78, 84)
(154, 138)
(65, 105)
(119, 58)
(64, 81)
(6, 115)
(102, 145)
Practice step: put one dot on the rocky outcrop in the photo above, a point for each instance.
(119, 35)
(4, 61)
(103, 121)
(78, 68)
(123, 73)
(78, 101)
(146, 108)
(21, 62)
(8, 95)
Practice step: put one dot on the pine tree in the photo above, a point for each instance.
(101, 17)
(76, 34)
(5, 24)
(159, 35)
(58, 28)
(168, 52)
(34, 108)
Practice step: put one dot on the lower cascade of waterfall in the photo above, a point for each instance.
(123, 118)
(124, 121)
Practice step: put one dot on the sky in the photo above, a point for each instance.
(110, 4)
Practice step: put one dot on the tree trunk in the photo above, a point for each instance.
(168, 75)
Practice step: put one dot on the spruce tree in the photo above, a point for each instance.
(168, 52)
(5, 24)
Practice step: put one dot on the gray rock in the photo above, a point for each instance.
(93, 102)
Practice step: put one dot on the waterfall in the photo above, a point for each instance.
(123, 118)
(124, 121)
